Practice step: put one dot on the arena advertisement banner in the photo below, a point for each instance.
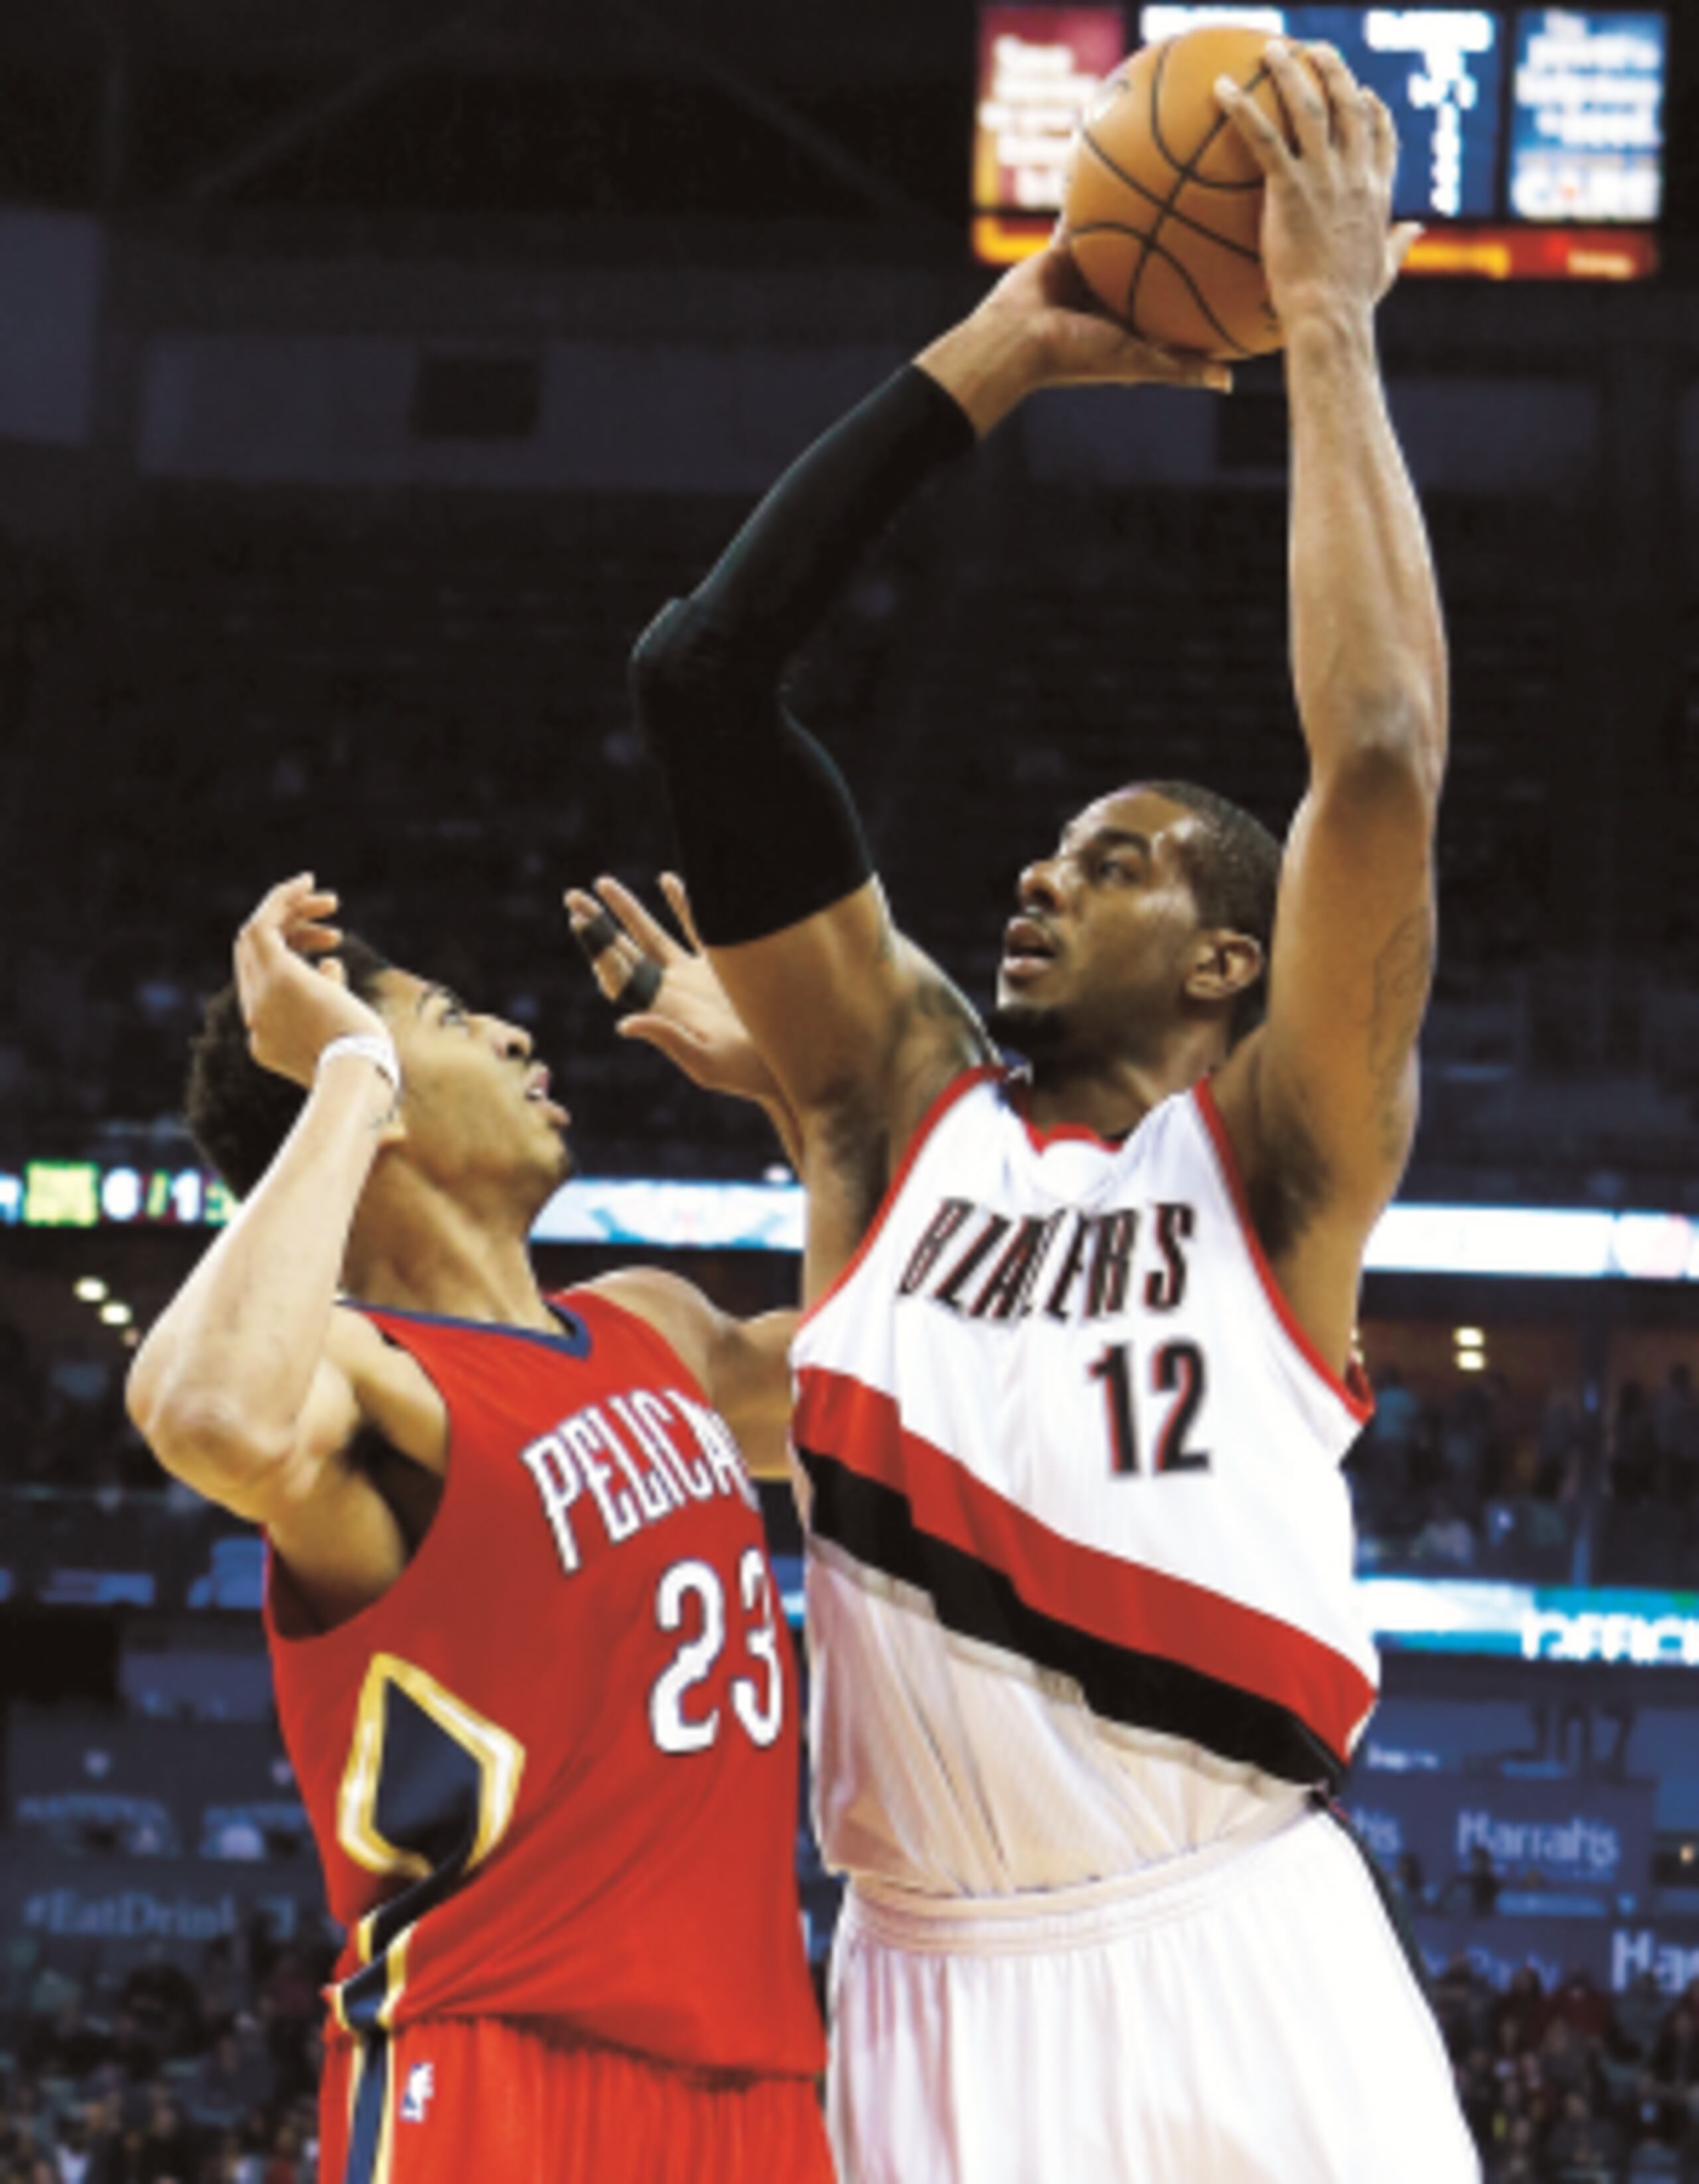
(125, 1909)
(1614, 1953)
(219, 1790)
(1588, 1837)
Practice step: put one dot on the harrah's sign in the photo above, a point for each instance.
(1579, 1848)
(1537, 1831)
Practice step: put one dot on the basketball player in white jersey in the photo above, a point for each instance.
(1074, 1385)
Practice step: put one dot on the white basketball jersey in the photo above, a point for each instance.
(1079, 1577)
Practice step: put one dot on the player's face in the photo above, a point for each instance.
(1096, 958)
(476, 1103)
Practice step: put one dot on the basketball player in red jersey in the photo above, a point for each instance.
(1073, 1385)
(531, 1666)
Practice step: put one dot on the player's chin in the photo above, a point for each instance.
(1030, 1028)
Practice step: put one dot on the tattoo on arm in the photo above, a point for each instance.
(939, 1036)
(936, 1000)
(1403, 971)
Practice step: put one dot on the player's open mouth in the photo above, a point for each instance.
(1028, 949)
(537, 1095)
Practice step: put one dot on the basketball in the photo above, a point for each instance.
(1164, 206)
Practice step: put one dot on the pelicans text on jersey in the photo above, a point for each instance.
(553, 1770)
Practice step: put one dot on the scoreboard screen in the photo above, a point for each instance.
(1586, 130)
(1440, 69)
(1531, 138)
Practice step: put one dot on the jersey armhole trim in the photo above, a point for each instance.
(1353, 1390)
(958, 1088)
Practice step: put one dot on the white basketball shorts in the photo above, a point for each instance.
(1244, 2016)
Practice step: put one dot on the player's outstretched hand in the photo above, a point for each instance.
(1329, 244)
(1042, 327)
(293, 1003)
(673, 999)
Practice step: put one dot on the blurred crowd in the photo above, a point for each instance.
(1496, 1481)
(62, 1416)
(1574, 2085)
(164, 2078)
(1491, 1480)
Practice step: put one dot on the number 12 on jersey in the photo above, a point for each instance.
(1177, 1370)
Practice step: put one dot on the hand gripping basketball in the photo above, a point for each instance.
(1328, 240)
(1168, 206)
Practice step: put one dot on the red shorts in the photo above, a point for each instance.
(488, 2100)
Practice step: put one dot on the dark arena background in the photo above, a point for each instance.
(370, 371)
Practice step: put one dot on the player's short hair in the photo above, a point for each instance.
(1234, 864)
(239, 1114)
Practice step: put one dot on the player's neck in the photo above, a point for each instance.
(446, 1260)
(1111, 1095)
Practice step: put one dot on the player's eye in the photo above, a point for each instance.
(452, 1013)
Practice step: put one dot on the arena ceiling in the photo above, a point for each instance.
(795, 42)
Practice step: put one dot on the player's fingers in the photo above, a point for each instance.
(1384, 133)
(582, 909)
(647, 931)
(276, 903)
(1144, 360)
(600, 938)
(334, 970)
(682, 1047)
(678, 902)
(1349, 108)
(1306, 107)
(314, 940)
(1264, 141)
(615, 966)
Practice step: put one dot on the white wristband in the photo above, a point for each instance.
(377, 1048)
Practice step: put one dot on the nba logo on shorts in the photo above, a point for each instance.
(421, 2084)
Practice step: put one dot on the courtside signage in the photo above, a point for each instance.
(1573, 1243)
(1534, 1623)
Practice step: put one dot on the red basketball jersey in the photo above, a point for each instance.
(553, 1770)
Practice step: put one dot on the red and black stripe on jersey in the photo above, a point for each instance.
(1146, 1650)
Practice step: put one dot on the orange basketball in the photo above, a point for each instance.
(1164, 206)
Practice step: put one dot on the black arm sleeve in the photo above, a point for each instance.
(766, 829)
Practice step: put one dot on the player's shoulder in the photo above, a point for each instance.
(668, 1305)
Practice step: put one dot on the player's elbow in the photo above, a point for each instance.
(1392, 753)
(203, 1436)
(682, 670)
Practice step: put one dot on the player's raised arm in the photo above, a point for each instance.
(1324, 1104)
(251, 1384)
(860, 1029)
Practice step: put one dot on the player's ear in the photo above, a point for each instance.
(1223, 964)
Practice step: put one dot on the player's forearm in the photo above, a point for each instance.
(766, 829)
(987, 365)
(1368, 647)
(786, 566)
(225, 1372)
